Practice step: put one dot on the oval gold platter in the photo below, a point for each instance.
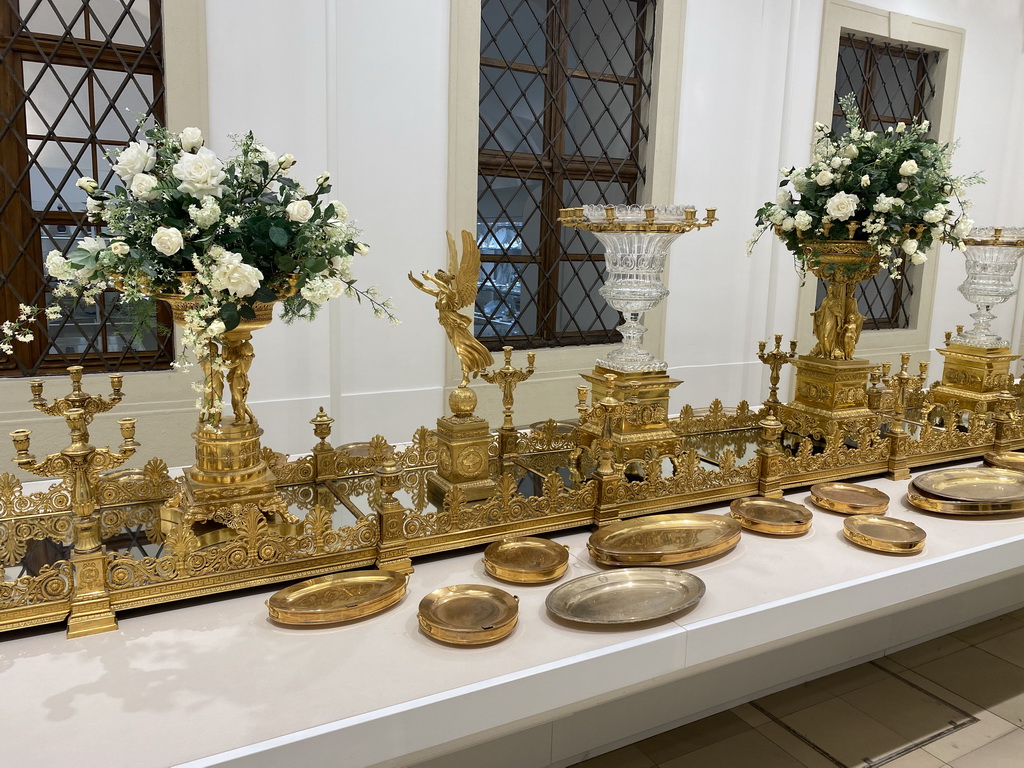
(526, 560)
(625, 596)
(1006, 460)
(850, 499)
(664, 539)
(884, 534)
(977, 485)
(931, 503)
(338, 597)
(775, 516)
(468, 614)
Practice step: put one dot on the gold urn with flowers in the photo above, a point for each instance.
(224, 243)
(868, 200)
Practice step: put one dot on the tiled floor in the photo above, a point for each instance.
(953, 702)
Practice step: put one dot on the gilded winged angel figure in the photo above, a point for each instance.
(455, 289)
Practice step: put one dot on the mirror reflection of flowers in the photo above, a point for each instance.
(895, 185)
(224, 233)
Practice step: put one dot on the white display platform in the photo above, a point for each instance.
(215, 683)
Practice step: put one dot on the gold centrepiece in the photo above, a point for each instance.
(884, 534)
(850, 499)
(774, 516)
(526, 560)
(664, 539)
(338, 597)
(625, 596)
(468, 614)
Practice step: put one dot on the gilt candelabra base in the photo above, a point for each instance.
(462, 459)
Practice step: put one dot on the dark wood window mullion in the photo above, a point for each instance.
(556, 87)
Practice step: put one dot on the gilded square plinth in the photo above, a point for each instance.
(645, 425)
(827, 392)
(972, 375)
(462, 458)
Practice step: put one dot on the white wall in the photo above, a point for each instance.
(361, 89)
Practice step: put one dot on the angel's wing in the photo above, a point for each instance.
(467, 271)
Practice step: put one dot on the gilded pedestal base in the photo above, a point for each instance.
(91, 612)
(645, 426)
(462, 458)
(229, 471)
(973, 375)
(829, 393)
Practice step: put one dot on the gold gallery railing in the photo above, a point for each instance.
(369, 504)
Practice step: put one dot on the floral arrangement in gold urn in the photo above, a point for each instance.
(894, 190)
(222, 240)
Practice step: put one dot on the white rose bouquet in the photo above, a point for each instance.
(893, 189)
(226, 234)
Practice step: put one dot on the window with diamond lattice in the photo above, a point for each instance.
(74, 79)
(564, 92)
(893, 83)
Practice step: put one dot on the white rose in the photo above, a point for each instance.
(934, 216)
(842, 206)
(909, 246)
(191, 139)
(287, 161)
(903, 186)
(901, 127)
(963, 227)
(142, 186)
(803, 220)
(869, 135)
(88, 184)
(93, 206)
(824, 178)
(216, 328)
(362, 249)
(200, 174)
(322, 179)
(788, 223)
(783, 198)
(909, 167)
(233, 276)
(865, 180)
(58, 267)
(92, 244)
(836, 162)
(137, 157)
(918, 257)
(340, 211)
(883, 204)
(167, 240)
(120, 248)
(299, 210)
(850, 150)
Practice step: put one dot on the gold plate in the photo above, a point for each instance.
(664, 539)
(977, 485)
(1006, 460)
(885, 534)
(526, 560)
(850, 499)
(338, 597)
(625, 596)
(775, 516)
(931, 503)
(468, 614)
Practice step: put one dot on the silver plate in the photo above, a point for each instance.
(625, 596)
